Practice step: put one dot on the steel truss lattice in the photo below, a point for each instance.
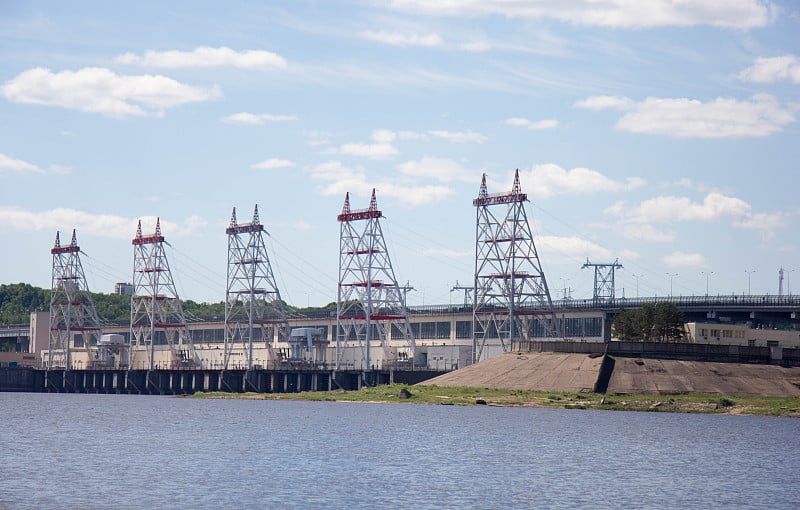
(73, 318)
(253, 304)
(604, 286)
(511, 294)
(157, 316)
(370, 305)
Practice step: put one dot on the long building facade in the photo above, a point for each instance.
(444, 342)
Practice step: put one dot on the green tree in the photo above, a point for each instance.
(661, 322)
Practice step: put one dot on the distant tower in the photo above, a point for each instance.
(156, 311)
(511, 295)
(369, 303)
(780, 281)
(253, 304)
(73, 318)
(603, 281)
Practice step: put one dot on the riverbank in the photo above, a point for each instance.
(432, 394)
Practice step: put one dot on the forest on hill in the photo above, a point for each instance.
(18, 300)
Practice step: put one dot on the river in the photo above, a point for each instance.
(125, 451)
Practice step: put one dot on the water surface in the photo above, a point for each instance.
(126, 451)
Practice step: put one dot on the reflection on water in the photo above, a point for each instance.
(122, 451)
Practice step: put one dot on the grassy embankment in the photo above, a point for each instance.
(686, 403)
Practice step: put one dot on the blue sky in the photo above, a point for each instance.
(658, 133)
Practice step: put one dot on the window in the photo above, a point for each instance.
(773, 343)
(751, 343)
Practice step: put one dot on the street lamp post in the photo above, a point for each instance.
(789, 281)
(748, 279)
(671, 275)
(637, 276)
(707, 273)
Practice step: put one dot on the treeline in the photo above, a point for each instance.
(662, 322)
(18, 300)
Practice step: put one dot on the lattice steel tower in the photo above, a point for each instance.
(156, 311)
(253, 304)
(511, 295)
(73, 318)
(370, 304)
(604, 293)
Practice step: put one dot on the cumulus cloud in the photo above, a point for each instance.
(530, 124)
(646, 232)
(99, 90)
(571, 248)
(441, 169)
(689, 118)
(17, 166)
(99, 225)
(402, 40)
(255, 119)
(387, 136)
(273, 163)
(467, 136)
(715, 207)
(205, 56)
(772, 69)
(367, 150)
(680, 259)
(604, 102)
(666, 209)
(738, 14)
(9, 165)
(553, 180)
(341, 179)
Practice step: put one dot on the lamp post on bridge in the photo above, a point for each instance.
(707, 273)
(748, 279)
(671, 276)
(789, 281)
(637, 276)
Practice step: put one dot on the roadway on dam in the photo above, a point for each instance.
(573, 372)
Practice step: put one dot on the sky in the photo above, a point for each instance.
(662, 134)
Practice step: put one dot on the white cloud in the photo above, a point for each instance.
(10, 165)
(570, 248)
(690, 118)
(99, 90)
(715, 207)
(365, 150)
(99, 225)
(402, 40)
(476, 46)
(772, 69)
(354, 180)
(553, 180)
(667, 209)
(17, 166)
(459, 136)
(441, 169)
(604, 102)
(273, 163)
(206, 57)
(254, 119)
(680, 259)
(739, 14)
(646, 232)
(530, 124)
(387, 136)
